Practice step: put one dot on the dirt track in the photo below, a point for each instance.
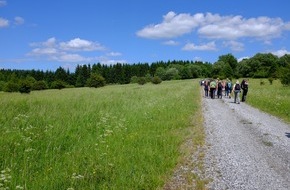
(245, 149)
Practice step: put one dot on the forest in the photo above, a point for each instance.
(261, 65)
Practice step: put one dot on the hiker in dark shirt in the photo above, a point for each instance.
(244, 86)
(219, 89)
(206, 88)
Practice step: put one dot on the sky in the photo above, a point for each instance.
(48, 34)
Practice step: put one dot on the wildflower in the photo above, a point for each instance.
(77, 176)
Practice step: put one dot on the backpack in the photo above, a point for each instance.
(237, 87)
(212, 84)
(229, 85)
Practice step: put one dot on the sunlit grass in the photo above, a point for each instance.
(274, 99)
(116, 137)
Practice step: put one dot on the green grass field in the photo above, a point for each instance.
(115, 137)
(273, 99)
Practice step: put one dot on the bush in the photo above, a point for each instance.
(11, 87)
(156, 80)
(2, 85)
(39, 85)
(141, 80)
(285, 76)
(58, 84)
(271, 80)
(96, 81)
(25, 87)
(148, 78)
(262, 82)
(134, 79)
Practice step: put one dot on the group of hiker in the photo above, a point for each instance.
(217, 87)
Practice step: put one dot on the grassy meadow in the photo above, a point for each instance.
(271, 98)
(115, 137)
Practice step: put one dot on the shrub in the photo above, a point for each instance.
(11, 87)
(58, 84)
(148, 78)
(156, 80)
(25, 87)
(271, 80)
(141, 80)
(96, 81)
(285, 76)
(2, 85)
(39, 85)
(262, 82)
(134, 79)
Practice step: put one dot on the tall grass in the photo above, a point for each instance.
(115, 137)
(274, 99)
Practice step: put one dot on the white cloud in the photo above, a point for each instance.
(4, 22)
(234, 45)
(173, 25)
(78, 44)
(44, 51)
(242, 58)
(114, 54)
(214, 26)
(281, 52)
(3, 3)
(18, 20)
(51, 49)
(192, 47)
(72, 58)
(171, 43)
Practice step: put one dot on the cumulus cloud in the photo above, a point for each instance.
(107, 61)
(4, 22)
(234, 45)
(173, 25)
(18, 20)
(192, 47)
(281, 52)
(114, 54)
(78, 44)
(215, 26)
(171, 43)
(51, 49)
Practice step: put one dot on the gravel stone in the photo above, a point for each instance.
(245, 148)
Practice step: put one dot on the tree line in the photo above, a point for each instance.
(260, 65)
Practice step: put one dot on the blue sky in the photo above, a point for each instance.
(45, 35)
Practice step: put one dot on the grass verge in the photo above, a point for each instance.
(271, 98)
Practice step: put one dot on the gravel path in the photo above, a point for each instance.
(245, 148)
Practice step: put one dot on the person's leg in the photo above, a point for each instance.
(235, 98)
(243, 96)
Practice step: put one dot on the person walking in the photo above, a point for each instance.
(206, 86)
(244, 86)
(229, 88)
(237, 90)
(219, 89)
(212, 85)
